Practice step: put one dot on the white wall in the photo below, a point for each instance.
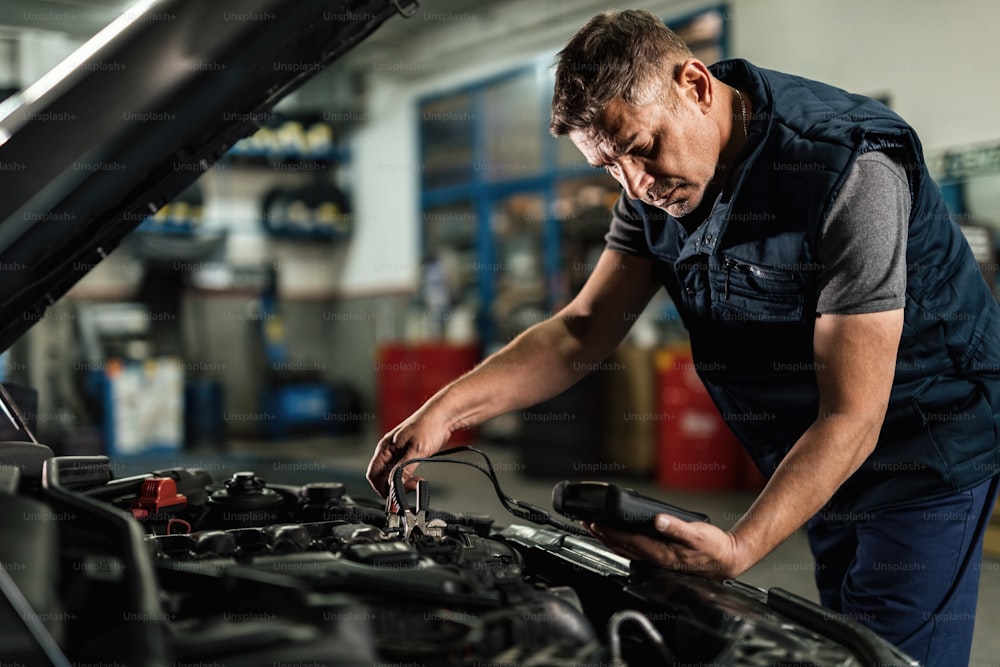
(35, 53)
(936, 61)
(383, 253)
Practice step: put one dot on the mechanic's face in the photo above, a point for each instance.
(664, 156)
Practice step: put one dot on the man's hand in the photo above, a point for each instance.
(420, 435)
(699, 548)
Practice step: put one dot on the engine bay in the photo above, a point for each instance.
(173, 567)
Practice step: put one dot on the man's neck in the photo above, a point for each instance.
(735, 124)
(738, 110)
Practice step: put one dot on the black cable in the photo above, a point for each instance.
(518, 508)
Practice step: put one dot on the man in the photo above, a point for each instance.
(836, 315)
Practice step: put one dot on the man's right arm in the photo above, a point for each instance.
(540, 363)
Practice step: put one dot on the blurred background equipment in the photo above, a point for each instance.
(294, 397)
(134, 391)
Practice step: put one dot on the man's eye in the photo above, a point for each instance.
(611, 169)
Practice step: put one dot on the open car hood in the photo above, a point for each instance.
(137, 114)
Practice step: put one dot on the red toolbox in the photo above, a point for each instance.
(697, 451)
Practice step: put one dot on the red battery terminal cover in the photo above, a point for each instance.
(157, 494)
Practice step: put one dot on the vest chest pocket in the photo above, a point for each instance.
(745, 292)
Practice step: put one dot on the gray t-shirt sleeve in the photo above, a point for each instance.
(626, 233)
(862, 244)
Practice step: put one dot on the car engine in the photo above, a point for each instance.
(173, 567)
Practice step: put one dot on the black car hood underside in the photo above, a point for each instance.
(136, 115)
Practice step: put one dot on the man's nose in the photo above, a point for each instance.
(635, 180)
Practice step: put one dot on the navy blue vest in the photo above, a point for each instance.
(745, 284)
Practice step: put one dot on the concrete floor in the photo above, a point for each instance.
(790, 566)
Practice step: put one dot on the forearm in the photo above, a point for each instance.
(829, 452)
(825, 456)
(855, 361)
(537, 365)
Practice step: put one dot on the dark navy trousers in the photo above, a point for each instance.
(909, 573)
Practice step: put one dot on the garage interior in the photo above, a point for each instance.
(405, 213)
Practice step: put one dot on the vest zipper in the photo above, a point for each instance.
(756, 271)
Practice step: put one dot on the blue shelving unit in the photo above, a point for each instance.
(482, 190)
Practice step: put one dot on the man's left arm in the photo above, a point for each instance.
(855, 363)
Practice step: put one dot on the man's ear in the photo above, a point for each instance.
(694, 83)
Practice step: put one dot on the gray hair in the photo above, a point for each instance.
(629, 55)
